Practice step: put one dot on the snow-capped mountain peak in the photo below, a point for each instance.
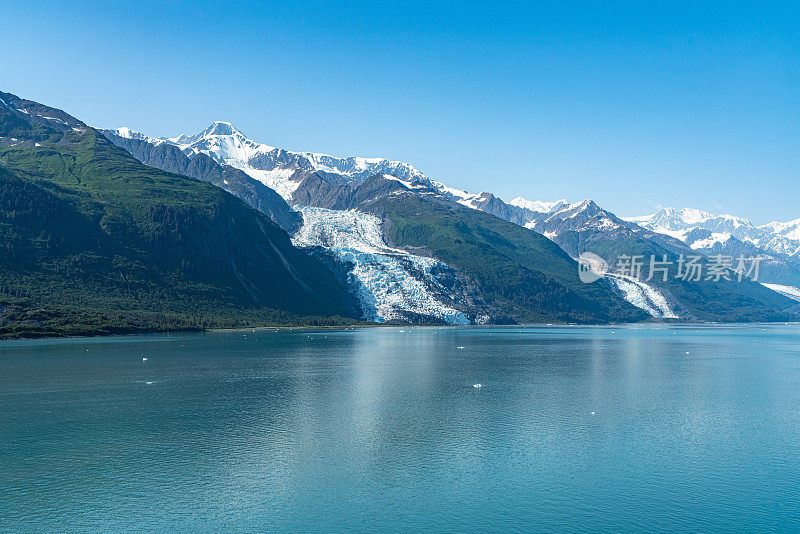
(789, 229)
(539, 206)
(683, 224)
(475, 201)
(280, 169)
(240, 151)
(221, 128)
(693, 215)
(127, 133)
(679, 219)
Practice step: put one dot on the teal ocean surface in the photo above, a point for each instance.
(612, 429)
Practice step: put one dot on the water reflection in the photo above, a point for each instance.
(601, 428)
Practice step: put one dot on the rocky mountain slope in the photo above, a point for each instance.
(701, 230)
(584, 226)
(307, 179)
(170, 158)
(320, 181)
(93, 241)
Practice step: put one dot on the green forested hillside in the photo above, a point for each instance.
(519, 271)
(91, 240)
(703, 300)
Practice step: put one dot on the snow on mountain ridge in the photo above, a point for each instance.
(538, 206)
(242, 150)
(789, 229)
(709, 242)
(284, 170)
(780, 237)
(276, 167)
(128, 133)
(462, 197)
(679, 219)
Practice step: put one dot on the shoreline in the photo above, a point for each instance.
(393, 325)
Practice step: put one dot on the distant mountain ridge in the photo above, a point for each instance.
(279, 169)
(284, 170)
(777, 237)
(321, 181)
(374, 186)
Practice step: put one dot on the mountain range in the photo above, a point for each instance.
(586, 227)
(308, 179)
(702, 230)
(115, 231)
(522, 278)
(94, 241)
(777, 244)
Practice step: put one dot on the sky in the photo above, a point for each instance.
(636, 105)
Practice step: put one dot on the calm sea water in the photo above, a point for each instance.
(601, 429)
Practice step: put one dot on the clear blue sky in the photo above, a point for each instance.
(633, 105)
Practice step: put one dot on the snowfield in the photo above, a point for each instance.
(779, 237)
(276, 167)
(644, 296)
(787, 291)
(391, 283)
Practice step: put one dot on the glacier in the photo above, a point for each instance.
(787, 291)
(643, 296)
(389, 281)
(391, 284)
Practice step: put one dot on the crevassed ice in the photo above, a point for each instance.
(390, 281)
(644, 296)
(788, 291)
